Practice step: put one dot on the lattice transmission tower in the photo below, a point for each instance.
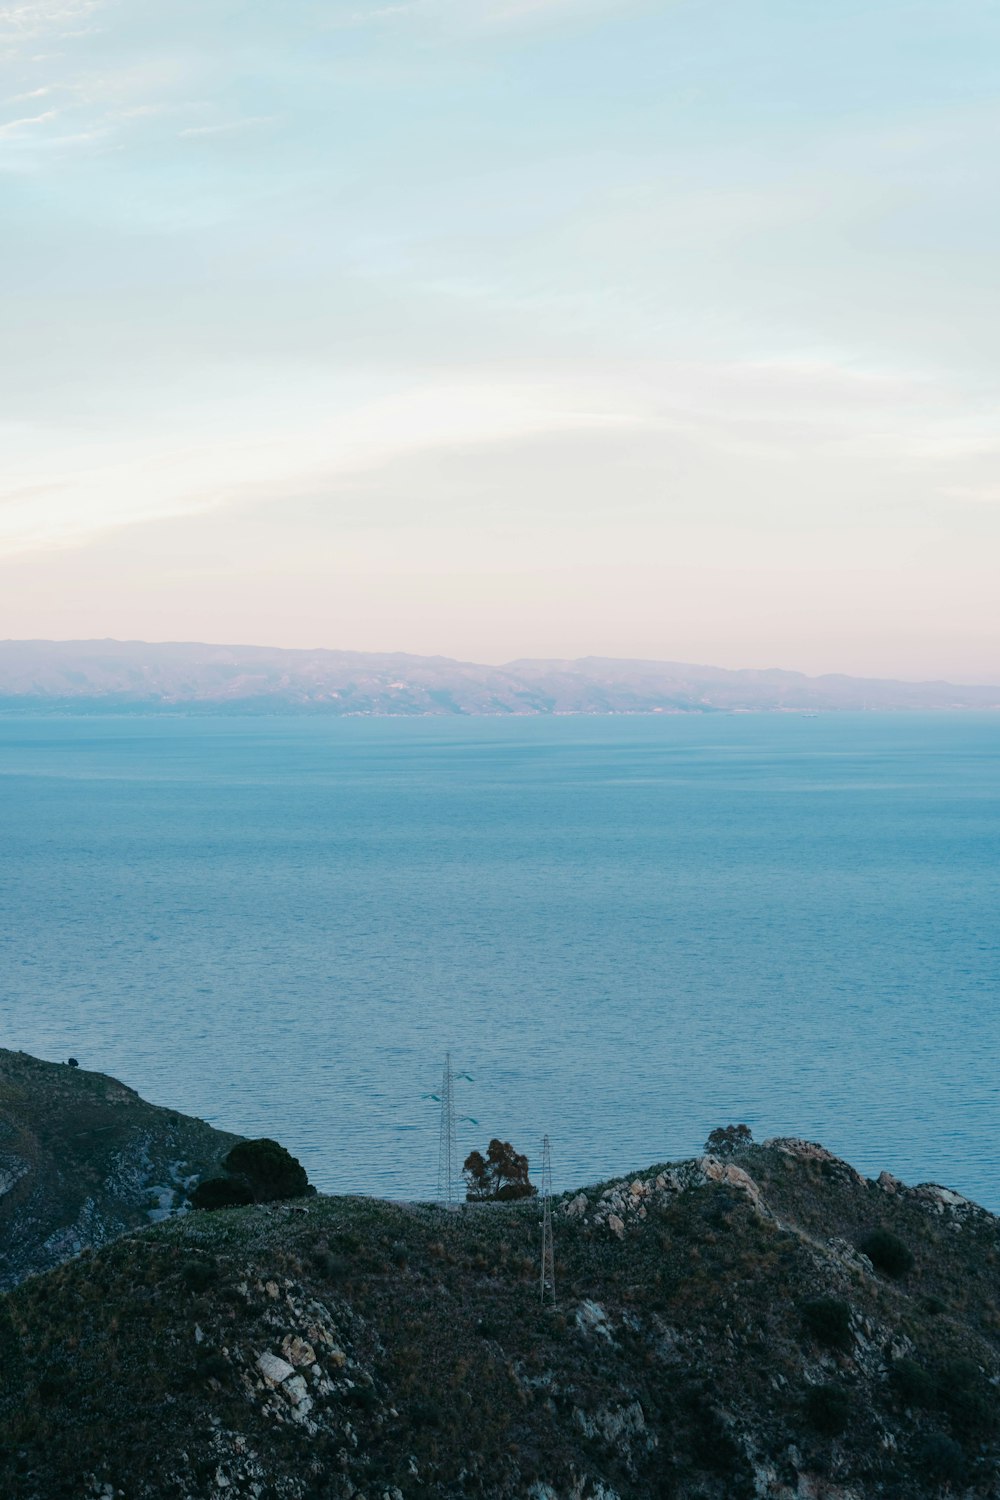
(447, 1145)
(547, 1281)
(448, 1160)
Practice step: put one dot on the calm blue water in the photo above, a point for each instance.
(627, 930)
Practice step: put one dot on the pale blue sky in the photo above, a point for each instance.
(505, 327)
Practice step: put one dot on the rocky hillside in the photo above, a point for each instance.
(144, 677)
(83, 1158)
(768, 1324)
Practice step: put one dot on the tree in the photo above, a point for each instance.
(499, 1176)
(271, 1171)
(728, 1138)
(222, 1192)
(258, 1172)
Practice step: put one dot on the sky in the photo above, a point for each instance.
(500, 328)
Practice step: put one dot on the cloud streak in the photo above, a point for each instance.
(226, 127)
(28, 122)
(34, 20)
(456, 16)
(778, 417)
(97, 495)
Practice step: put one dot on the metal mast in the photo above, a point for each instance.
(547, 1282)
(447, 1146)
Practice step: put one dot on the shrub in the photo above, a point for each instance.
(271, 1171)
(912, 1383)
(211, 1365)
(712, 1444)
(726, 1139)
(828, 1320)
(887, 1252)
(222, 1192)
(968, 1398)
(198, 1275)
(828, 1408)
(53, 1387)
(940, 1457)
(329, 1265)
(361, 1396)
(501, 1175)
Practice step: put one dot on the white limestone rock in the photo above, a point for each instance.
(273, 1369)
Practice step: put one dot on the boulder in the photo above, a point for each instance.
(296, 1390)
(591, 1318)
(714, 1170)
(811, 1151)
(941, 1197)
(273, 1369)
(298, 1351)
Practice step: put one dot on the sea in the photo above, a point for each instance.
(624, 930)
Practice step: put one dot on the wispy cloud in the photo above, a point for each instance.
(802, 424)
(459, 15)
(226, 127)
(28, 122)
(38, 93)
(143, 481)
(94, 105)
(34, 19)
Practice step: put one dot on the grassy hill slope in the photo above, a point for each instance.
(717, 1335)
(83, 1158)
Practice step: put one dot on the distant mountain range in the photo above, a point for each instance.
(139, 677)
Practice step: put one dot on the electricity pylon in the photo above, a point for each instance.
(447, 1143)
(547, 1282)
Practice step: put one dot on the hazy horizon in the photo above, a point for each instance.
(499, 662)
(522, 328)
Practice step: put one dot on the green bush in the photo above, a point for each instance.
(361, 1396)
(199, 1275)
(968, 1398)
(912, 1383)
(828, 1408)
(222, 1192)
(53, 1387)
(828, 1320)
(271, 1171)
(211, 1365)
(887, 1252)
(939, 1457)
(329, 1265)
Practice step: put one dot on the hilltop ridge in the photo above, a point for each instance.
(136, 676)
(766, 1324)
(83, 1159)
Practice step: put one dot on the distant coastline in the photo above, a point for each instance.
(135, 677)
